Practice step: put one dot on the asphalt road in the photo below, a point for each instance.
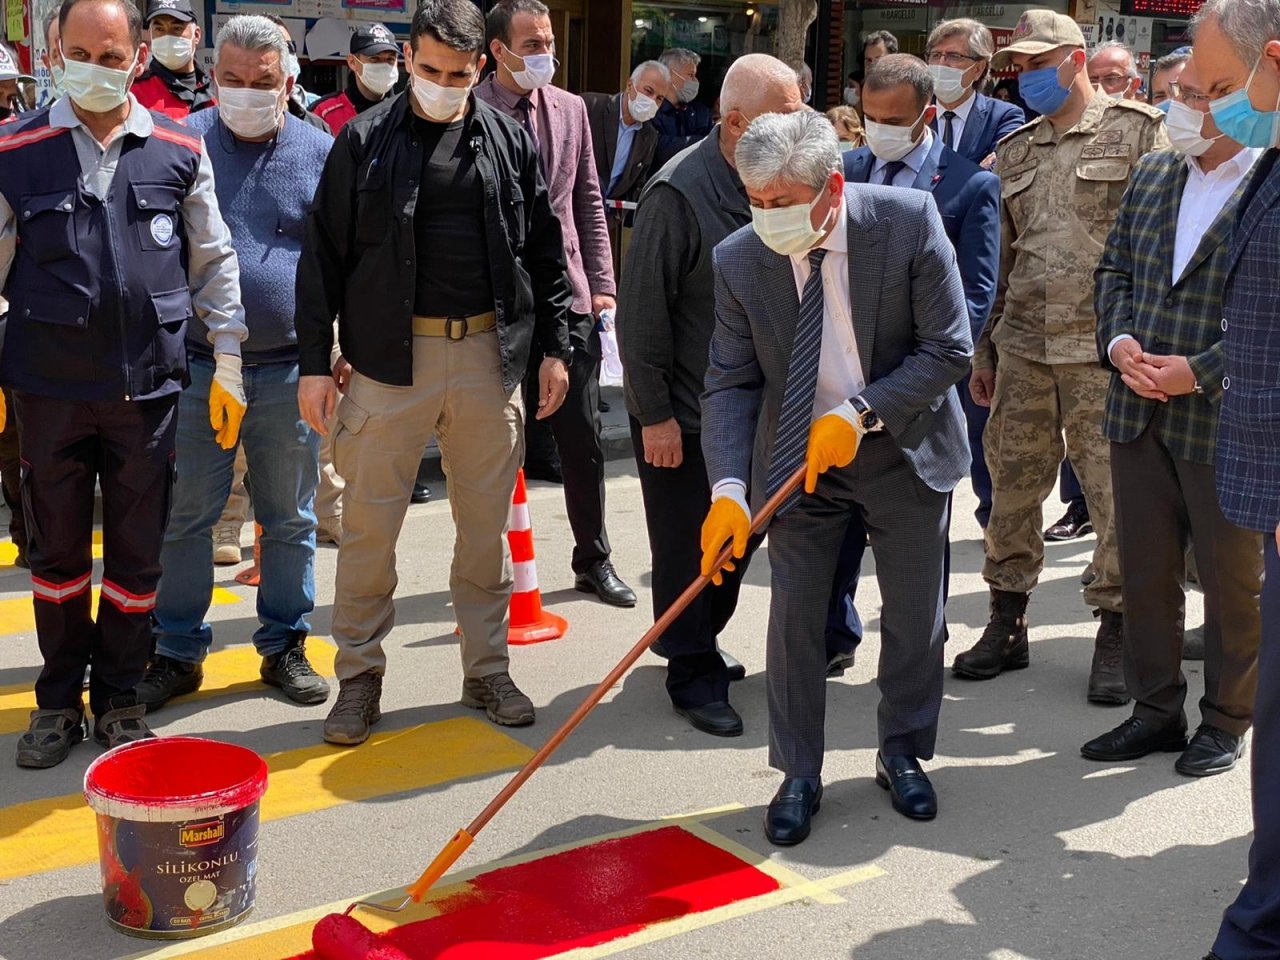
(1036, 852)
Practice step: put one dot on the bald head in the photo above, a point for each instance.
(758, 83)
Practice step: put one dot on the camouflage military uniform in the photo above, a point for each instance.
(1059, 196)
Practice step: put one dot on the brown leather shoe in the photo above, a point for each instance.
(1106, 676)
(356, 709)
(1003, 644)
(499, 697)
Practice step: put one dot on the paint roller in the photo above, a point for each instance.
(340, 936)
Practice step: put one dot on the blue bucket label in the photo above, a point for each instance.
(179, 879)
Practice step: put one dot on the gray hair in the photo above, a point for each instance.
(749, 81)
(1128, 52)
(648, 65)
(1248, 25)
(799, 147)
(254, 34)
(1170, 60)
(896, 69)
(679, 57)
(981, 44)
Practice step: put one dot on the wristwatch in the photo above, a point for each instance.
(868, 419)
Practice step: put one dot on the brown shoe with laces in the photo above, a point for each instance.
(1106, 677)
(499, 697)
(356, 710)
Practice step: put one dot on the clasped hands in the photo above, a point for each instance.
(1152, 375)
(833, 442)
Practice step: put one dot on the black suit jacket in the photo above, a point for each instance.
(603, 111)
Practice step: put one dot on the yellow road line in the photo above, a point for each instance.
(18, 616)
(232, 670)
(9, 550)
(290, 935)
(57, 832)
(784, 875)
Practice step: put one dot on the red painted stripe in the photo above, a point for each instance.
(14, 141)
(580, 898)
(194, 144)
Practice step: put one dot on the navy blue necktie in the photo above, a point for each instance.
(891, 171)
(792, 437)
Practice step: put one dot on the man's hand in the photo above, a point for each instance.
(226, 400)
(553, 384)
(833, 442)
(317, 398)
(989, 161)
(727, 519)
(1278, 538)
(601, 302)
(1136, 373)
(1173, 375)
(663, 444)
(341, 374)
(982, 387)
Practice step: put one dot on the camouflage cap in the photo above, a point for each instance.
(1038, 31)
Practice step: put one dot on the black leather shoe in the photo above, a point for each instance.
(736, 670)
(1134, 739)
(838, 664)
(421, 493)
(909, 788)
(550, 472)
(716, 718)
(786, 822)
(1074, 523)
(602, 580)
(1210, 751)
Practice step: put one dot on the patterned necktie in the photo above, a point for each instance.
(948, 133)
(891, 171)
(792, 435)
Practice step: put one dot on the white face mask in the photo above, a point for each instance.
(689, 91)
(250, 113)
(439, 103)
(96, 89)
(292, 67)
(1184, 126)
(538, 70)
(643, 107)
(852, 96)
(379, 77)
(948, 83)
(174, 52)
(890, 143)
(788, 230)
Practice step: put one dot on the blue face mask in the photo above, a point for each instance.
(1164, 106)
(1241, 121)
(1041, 90)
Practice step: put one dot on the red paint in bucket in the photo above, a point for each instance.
(177, 834)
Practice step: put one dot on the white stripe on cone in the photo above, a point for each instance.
(520, 517)
(526, 576)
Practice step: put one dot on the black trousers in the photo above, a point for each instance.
(574, 430)
(1162, 503)
(68, 447)
(676, 501)
(11, 474)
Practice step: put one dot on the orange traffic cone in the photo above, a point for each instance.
(253, 576)
(529, 623)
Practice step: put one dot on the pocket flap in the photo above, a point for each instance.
(62, 201)
(71, 310)
(1108, 170)
(173, 306)
(352, 416)
(1016, 184)
(513, 191)
(158, 197)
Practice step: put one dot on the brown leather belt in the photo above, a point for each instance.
(454, 328)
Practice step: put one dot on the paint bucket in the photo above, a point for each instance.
(177, 834)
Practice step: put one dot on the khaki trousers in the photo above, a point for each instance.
(1034, 405)
(329, 490)
(457, 395)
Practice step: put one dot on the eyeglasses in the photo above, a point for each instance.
(952, 59)
(293, 47)
(1111, 82)
(1182, 95)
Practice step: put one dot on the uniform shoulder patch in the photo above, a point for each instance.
(1025, 128)
(1152, 113)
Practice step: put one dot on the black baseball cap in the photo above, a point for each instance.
(178, 9)
(369, 39)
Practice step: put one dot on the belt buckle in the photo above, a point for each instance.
(448, 328)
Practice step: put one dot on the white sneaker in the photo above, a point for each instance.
(226, 544)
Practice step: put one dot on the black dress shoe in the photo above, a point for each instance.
(1210, 751)
(421, 493)
(736, 670)
(1074, 523)
(602, 580)
(786, 822)
(550, 472)
(1134, 739)
(838, 664)
(716, 718)
(909, 788)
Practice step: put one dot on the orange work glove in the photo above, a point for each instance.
(226, 401)
(4, 412)
(833, 442)
(727, 519)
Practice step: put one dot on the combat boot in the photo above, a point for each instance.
(1106, 676)
(1003, 644)
(356, 710)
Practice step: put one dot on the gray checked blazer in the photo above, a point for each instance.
(909, 321)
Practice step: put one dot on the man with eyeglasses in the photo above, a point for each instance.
(1113, 72)
(1036, 366)
(1159, 303)
(1167, 70)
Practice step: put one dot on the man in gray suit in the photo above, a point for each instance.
(840, 330)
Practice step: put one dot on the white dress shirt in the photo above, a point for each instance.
(839, 364)
(913, 160)
(1203, 198)
(961, 117)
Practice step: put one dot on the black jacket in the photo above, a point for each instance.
(358, 258)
